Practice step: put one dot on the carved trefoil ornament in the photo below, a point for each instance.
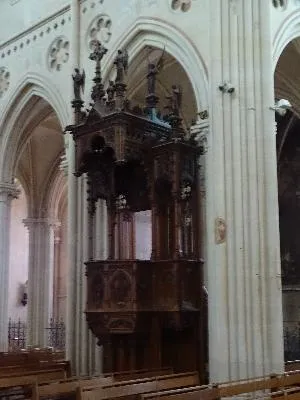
(280, 4)
(99, 30)
(4, 80)
(182, 5)
(58, 53)
(220, 230)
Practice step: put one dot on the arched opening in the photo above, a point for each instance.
(170, 73)
(18, 271)
(33, 157)
(287, 84)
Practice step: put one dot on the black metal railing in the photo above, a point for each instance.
(57, 334)
(17, 334)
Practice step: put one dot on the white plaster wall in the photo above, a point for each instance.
(143, 232)
(284, 26)
(28, 54)
(22, 14)
(18, 264)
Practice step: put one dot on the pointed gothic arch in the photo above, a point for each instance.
(159, 34)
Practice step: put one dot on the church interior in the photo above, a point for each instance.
(149, 199)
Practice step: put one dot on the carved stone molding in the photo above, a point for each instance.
(99, 29)
(58, 53)
(31, 37)
(280, 4)
(181, 5)
(4, 80)
(220, 230)
(200, 131)
(8, 191)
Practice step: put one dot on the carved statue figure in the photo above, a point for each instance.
(121, 62)
(78, 83)
(175, 100)
(153, 70)
(151, 76)
(110, 91)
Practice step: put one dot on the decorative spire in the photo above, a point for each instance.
(99, 51)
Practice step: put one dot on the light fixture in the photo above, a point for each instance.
(281, 106)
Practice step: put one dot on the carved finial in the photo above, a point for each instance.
(97, 55)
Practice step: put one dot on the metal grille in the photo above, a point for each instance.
(291, 334)
(57, 334)
(16, 335)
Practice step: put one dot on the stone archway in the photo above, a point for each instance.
(287, 83)
(32, 146)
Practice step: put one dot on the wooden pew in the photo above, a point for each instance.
(292, 366)
(68, 388)
(41, 376)
(23, 369)
(274, 383)
(132, 388)
(30, 357)
(289, 394)
(25, 387)
(204, 392)
(141, 373)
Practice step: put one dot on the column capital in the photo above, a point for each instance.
(64, 164)
(200, 131)
(8, 191)
(29, 222)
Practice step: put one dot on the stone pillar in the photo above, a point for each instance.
(85, 356)
(56, 272)
(244, 281)
(40, 279)
(81, 347)
(7, 193)
(200, 132)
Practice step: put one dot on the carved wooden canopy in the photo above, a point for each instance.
(137, 160)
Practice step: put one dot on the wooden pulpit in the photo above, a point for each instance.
(147, 313)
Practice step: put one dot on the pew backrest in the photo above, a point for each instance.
(204, 392)
(139, 386)
(142, 373)
(68, 388)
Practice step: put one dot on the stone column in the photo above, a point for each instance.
(85, 356)
(200, 132)
(244, 281)
(56, 272)
(7, 193)
(81, 347)
(40, 279)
